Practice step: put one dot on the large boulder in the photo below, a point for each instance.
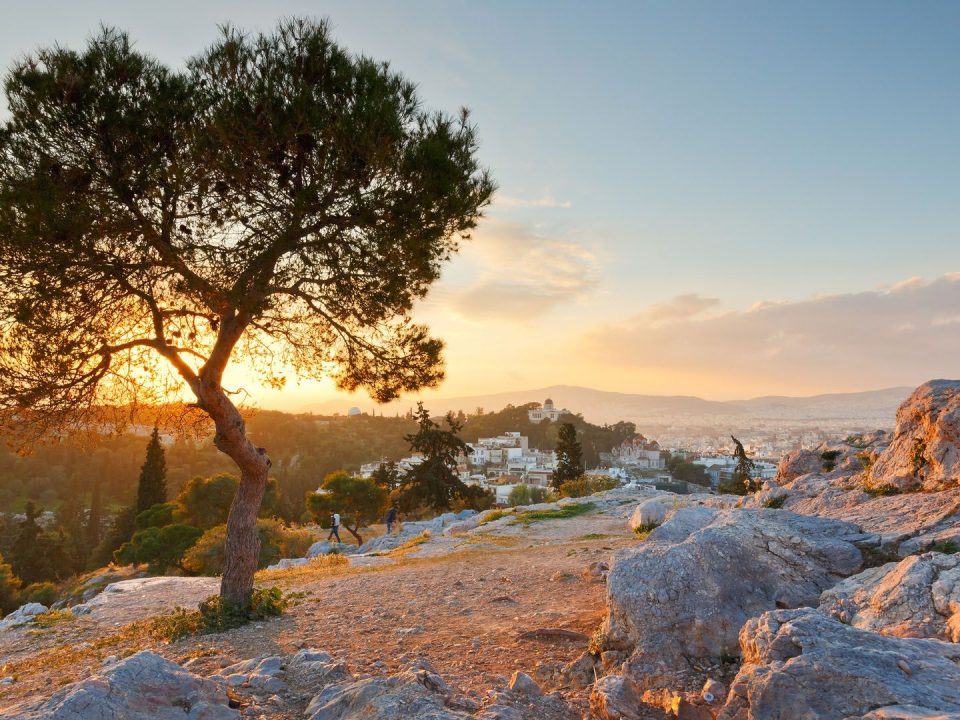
(799, 462)
(925, 451)
(802, 665)
(144, 686)
(686, 590)
(917, 597)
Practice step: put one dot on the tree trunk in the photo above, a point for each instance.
(355, 534)
(242, 544)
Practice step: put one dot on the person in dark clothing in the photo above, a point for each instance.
(334, 527)
(391, 518)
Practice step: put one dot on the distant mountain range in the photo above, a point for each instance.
(601, 406)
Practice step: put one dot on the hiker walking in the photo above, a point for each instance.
(391, 518)
(334, 527)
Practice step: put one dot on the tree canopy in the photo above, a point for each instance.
(279, 198)
(569, 456)
(360, 501)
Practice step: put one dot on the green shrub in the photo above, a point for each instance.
(215, 615)
(205, 502)
(529, 495)
(9, 588)
(587, 485)
(919, 457)
(882, 490)
(156, 516)
(206, 556)
(645, 529)
(45, 593)
(874, 556)
(494, 516)
(776, 502)
(946, 547)
(159, 547)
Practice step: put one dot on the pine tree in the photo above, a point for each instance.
(742, 482)
(434, 483)
(569, 456)
(72, 530)
(152, 488)
(386, 475)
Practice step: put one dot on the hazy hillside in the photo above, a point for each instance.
(599, 406)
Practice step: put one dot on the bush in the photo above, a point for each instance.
(776, 502)
(45, 593)
(561, 513)
(215, 615)
(160, 548)
(206, 556)
(529, 495)
(645, 529)
(828, 459)
(156, 516)
(205, 502)
(9, 588)
(882, 490)
(588, 485)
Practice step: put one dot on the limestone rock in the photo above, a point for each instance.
(801, 664)
(649, 512)
(23, 615)
(616, 697)
(686, 590)
(917, 597)
(144, 686)
(795, 463)
(523, 683)
(925, 451)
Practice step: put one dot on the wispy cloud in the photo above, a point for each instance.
(521, 275)
(545, 201)
(890, 336)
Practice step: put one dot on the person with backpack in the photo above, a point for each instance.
(391, 518)
(334, 527)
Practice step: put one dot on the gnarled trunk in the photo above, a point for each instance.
(242, 544)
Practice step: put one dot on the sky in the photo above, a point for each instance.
(724, 199)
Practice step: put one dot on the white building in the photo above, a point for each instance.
(545, 412)
(511, 454)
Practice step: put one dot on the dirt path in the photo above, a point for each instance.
(463, 612)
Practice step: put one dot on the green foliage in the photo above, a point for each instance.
(53, 617)
(205, 501)
(9, 588)
(122, 527)
(38, 556)
(946, 547)
(152, 485)
(856, 441)
(433, 483)
(206, 556)
(874, 556)
(742, 481)
(645, 529)
(882, 490)
(919, 459)
(562, 513)
(569, 456)
(680, 469)
(867, 459)
(45, 593)
(360, 501)
(156, 516)
(387, 475)
(829, 459)
(159, 547)
(217, 615)
(776, 502)
(528, 495)
(588, 485)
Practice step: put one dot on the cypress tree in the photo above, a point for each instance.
(152, 488)
(569, 456)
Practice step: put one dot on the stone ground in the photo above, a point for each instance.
(462, 611)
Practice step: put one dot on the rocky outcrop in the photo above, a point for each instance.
(802, 665)
(23, 615)
(130, 599)
(925, 451)
(419, 693)
(649, 513)
(686, 590)
(144, 686)
(918, 597)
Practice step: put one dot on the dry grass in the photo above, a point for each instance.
(410, 544)
(320, 566)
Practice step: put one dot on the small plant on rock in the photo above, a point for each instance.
(776, 502)
(829, 459)
(882, 490)
(946, 547)
(645, 529)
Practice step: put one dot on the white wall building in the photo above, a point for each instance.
(547, 411)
